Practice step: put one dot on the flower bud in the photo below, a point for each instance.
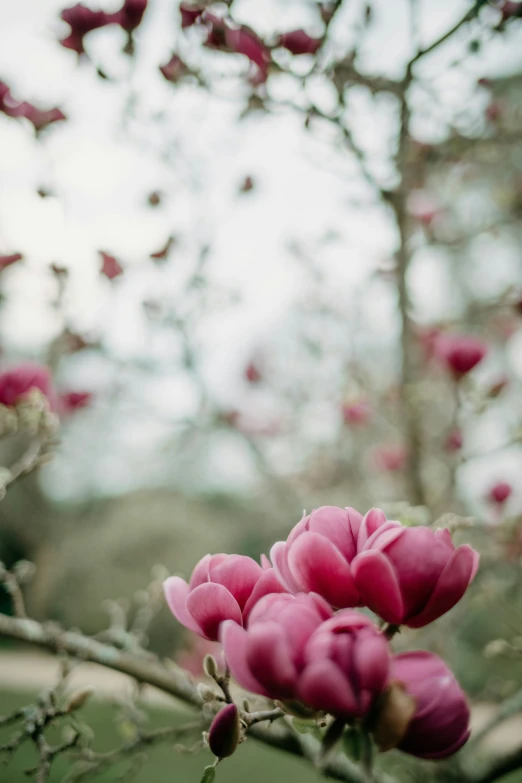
(210, 666)
(78, 699)
(225, 731)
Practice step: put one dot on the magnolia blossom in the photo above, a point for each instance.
(222, 587)
(317, 555)
(225, 731)
(500, 492)
(440, 725)
(82, 20)
(130, 14)
(269, 656)
(15, 384)
(299, 42)
(110, 266)
(412, 575)
(460, 353)
(292, 650)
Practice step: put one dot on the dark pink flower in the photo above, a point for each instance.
(189, 14)
(390, 457)
(130, 14)
(356, 412)
(82, 20)
(74, 401)
(460, 352)
(8, 260)
(174, 69)
(253, 373)
(224, 732)
(110, 267)
(222, 587)
(412, 575)
(500, 493)
(317, 554)
(268, 657)
(299, 42)
(454, 440)
(347, 662)
(38, 117)
(440, 725)
(244, 41)
(16, 384)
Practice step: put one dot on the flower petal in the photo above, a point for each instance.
(266, 584)
(176, 592)
(210, 605)
(371, 522)
(319, 567)
(377, 583)
(268, 659)
(324, 686)
(450, 587)
(238, 574)
(279, 559)
(234, 640)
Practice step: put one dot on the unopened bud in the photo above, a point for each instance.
(206, 693)
(210, 666)
(395, 710)
(78, 699)
(225, 732)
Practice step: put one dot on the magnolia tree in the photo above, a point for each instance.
(297, 650)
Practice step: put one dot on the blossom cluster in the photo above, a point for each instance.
(291, 631)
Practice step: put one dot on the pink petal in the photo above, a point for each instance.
(333, 523)
(377, 583)
(200, 572)
(234, 640)
(451, 586)
(210, 605)
(266, 584)
(269, 660)
(372, 521)
(176, 592)
(238, 574)
(265, 563)
(384, 536)
(279, 559)
(324, 686)
(444, 534)
(319, 567)
(371, 660)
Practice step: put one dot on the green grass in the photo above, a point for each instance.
(252, 762)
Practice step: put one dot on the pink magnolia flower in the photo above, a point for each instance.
(390, 457)
(440, 725)
(16, 384)
(239, 39)
(222, 587)
(357, 412)
(174, 69)
(347, 663)
(40, 118)
(189, 14)
(269, 656)
(412, 575)
(130, 14)
(299, 42)
(460, 353)
(74, 400)
(110, 267)
(82, 20)
(454, 440)
(8, 260)
(499, 493)
(317, 555)
(252, 373)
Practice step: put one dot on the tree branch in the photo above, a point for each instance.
(150, 671)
